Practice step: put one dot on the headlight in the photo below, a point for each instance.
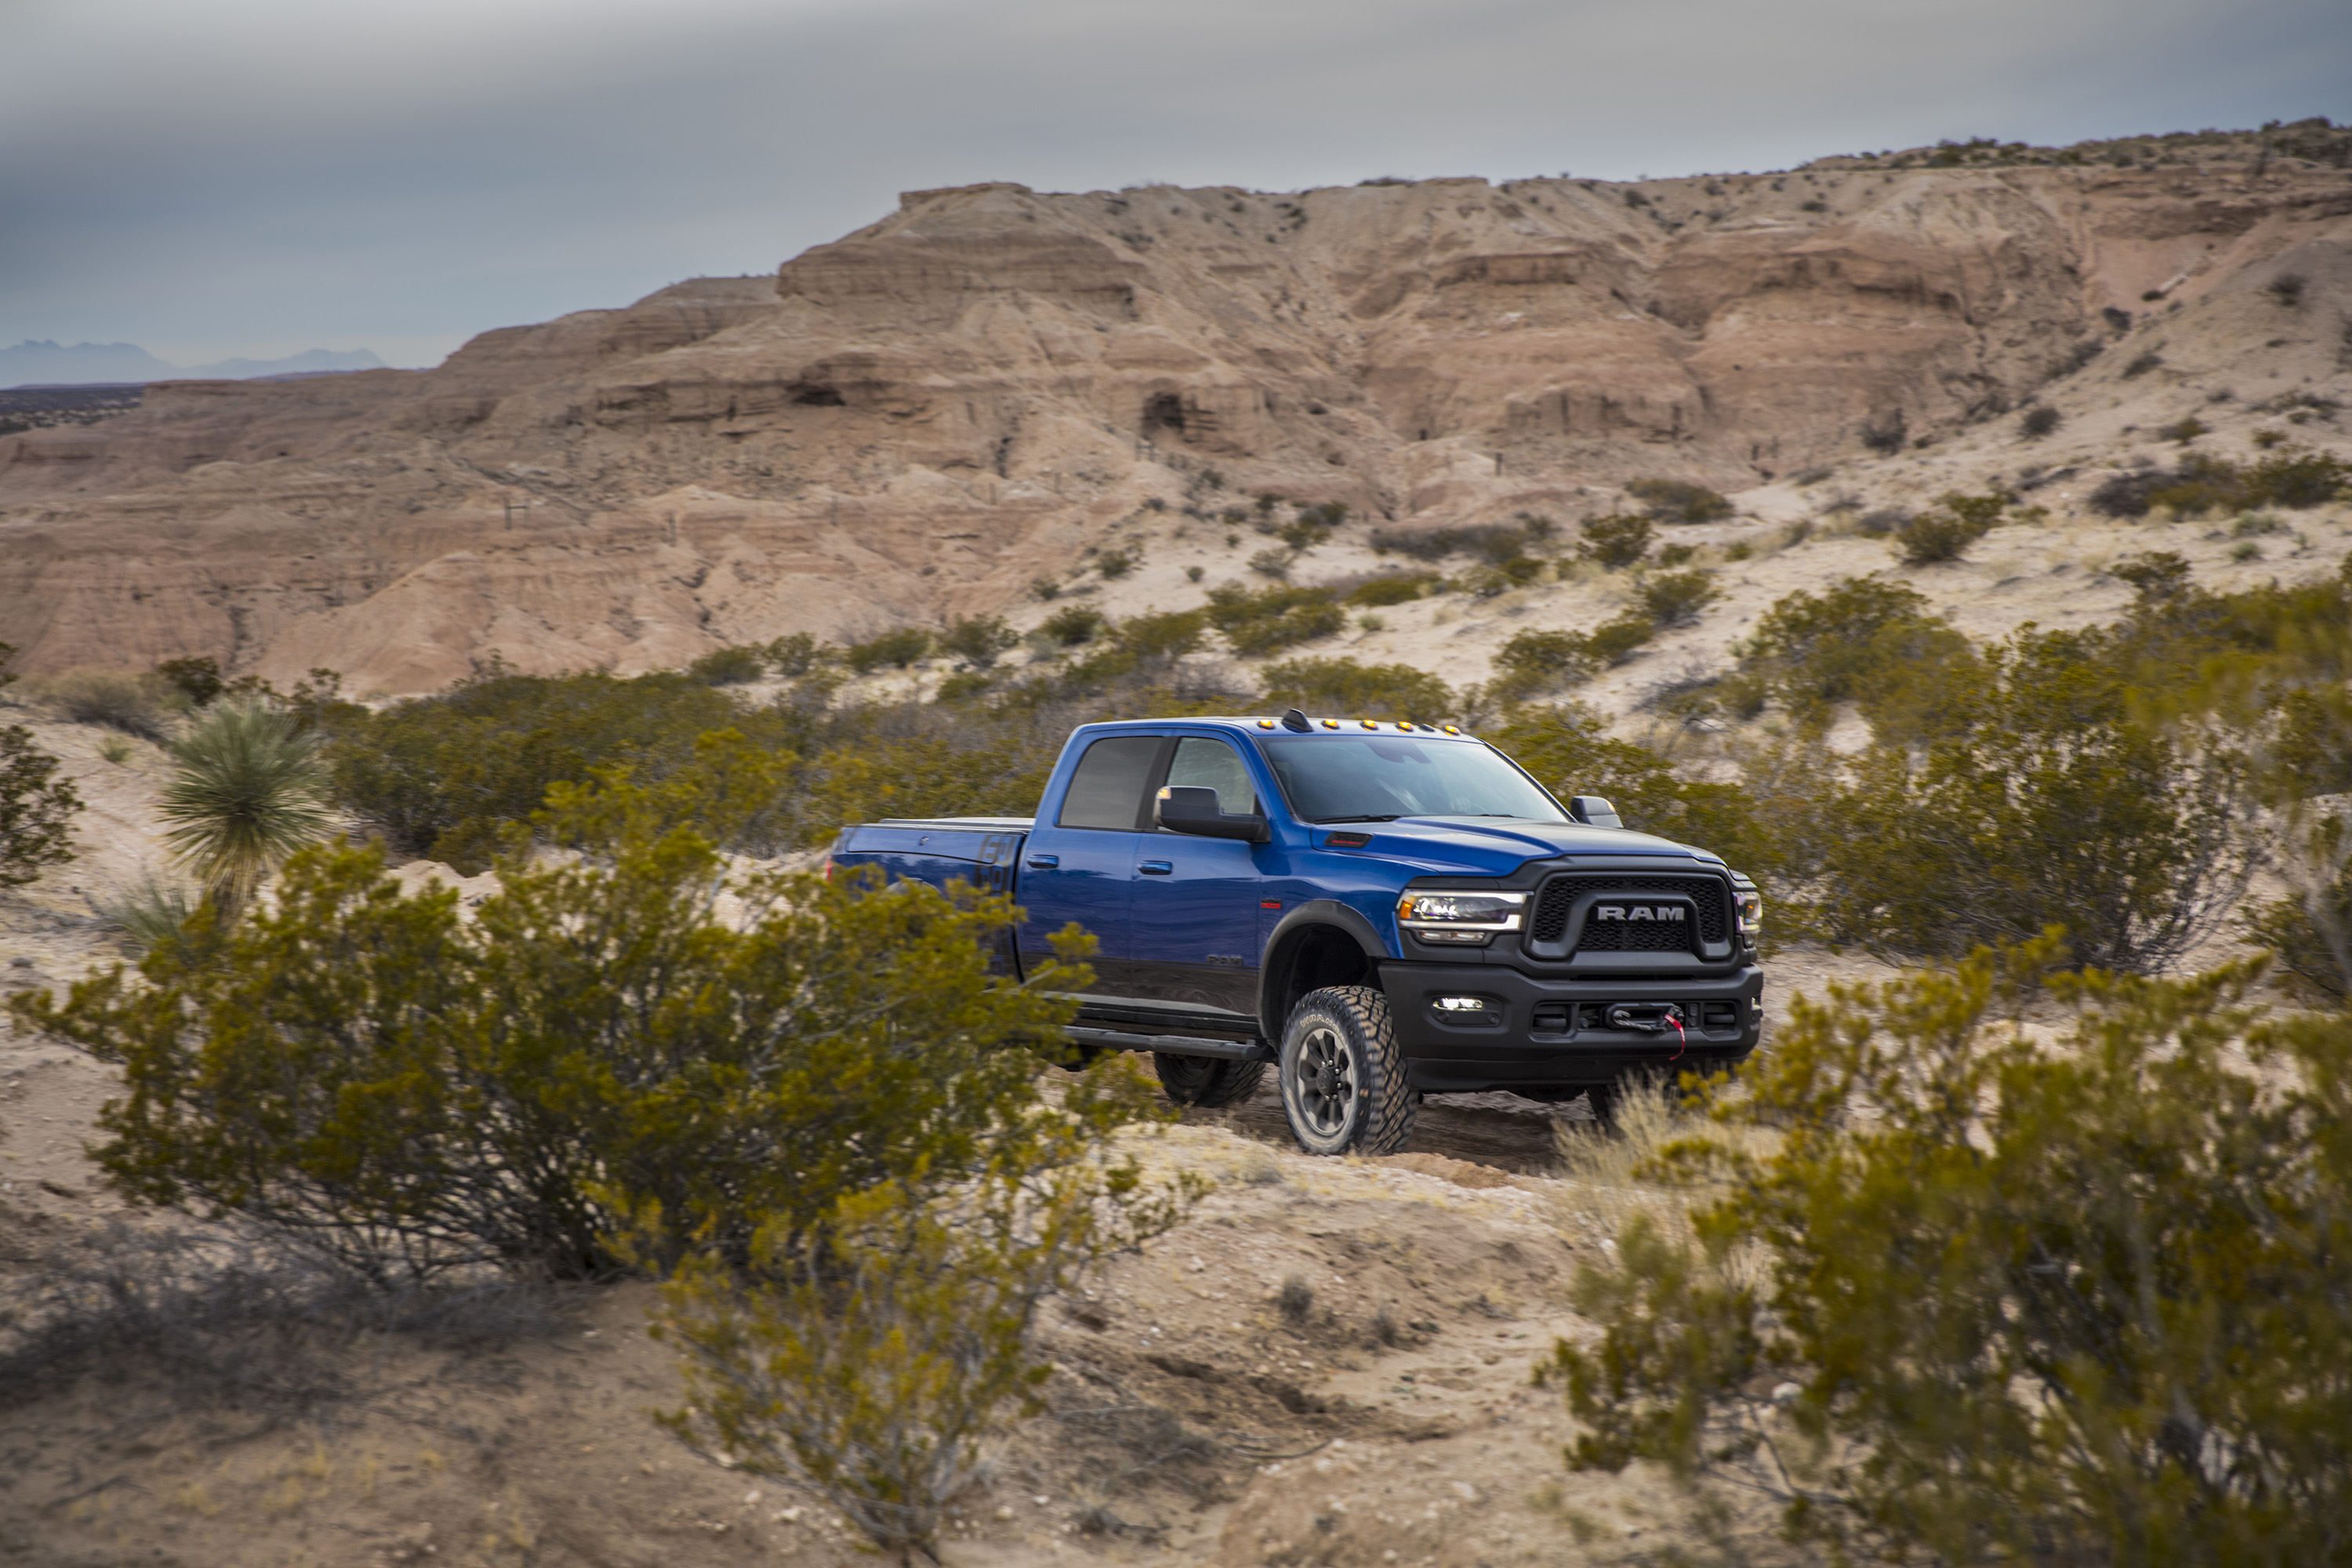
(1470, 918)
(1751, 913)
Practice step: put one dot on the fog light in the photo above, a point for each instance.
(1460, 1003)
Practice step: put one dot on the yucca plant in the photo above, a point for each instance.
(250, 788)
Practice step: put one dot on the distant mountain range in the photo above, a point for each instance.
(82, 364)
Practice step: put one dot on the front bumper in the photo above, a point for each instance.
(1545, 1032)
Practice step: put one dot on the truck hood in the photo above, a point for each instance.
(1490, 847)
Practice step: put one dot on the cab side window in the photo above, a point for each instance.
(1108, 788)
(1217, 766)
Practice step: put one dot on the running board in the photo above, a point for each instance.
(1175, 1045)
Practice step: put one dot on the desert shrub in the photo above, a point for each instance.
(1118, 563)
(2041, 802)
(2286, 289)
(865, 1363)
(978, 641)
(1074, 625)
(2038, 421)
(411, 1091)
(198, 679)
(1671, 501)
(2309, 930)
(248, 788)
(1940, 534)
(2142, 363)
(1882, 522)
(1381, 592)
(1496, 542)
(1162, 635)
(2156, 575)
(1487, 581)
(37, 808)
(112, 699)
(737, 666)
(2182, 431)
(1885, 431)
(796, 655)
(1675, 598)
(1813, 651)
(1272, 618)
(1273, 564)
(1616, 541)
(1532, 661)
(444, 777)
(1614, 641)
(1996, 1299)
(2292, 477)
(1343, 685)
(899, 649)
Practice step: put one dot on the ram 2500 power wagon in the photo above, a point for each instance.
(1378, 909)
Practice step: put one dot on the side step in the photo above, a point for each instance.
(1174, 1045)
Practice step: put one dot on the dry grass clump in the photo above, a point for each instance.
(1639, 1162)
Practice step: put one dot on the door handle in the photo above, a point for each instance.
(1157, 868)
(1042, 862)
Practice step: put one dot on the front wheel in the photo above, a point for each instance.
(1206, 1080)
(1342, 1077)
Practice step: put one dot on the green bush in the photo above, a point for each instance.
(796, 655)
(1381, 592)
(130, 703)
(37, 808)
(411, 1090)
(1614, 642)
(1118, 563)
(1365, 691)
(729, 666)
(1675, 598)
(1671, 501)
(2043, 802)
(899, 649)
(1496, 542)
(978, 641)
(2291, 477)
(1074, 625)
(2156, 575)
(198, 679)
(1982, 1297)
(1617, 540)
(1813, 651)
(1272, 619)
(1531, 662)
(1937, 536)
(867, 1364)
(2309, 931)
(444, 777)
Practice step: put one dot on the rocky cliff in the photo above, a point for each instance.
(926, 416)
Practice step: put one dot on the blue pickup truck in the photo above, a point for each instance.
(1379, 910)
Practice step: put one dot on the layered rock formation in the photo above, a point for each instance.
(926, 416)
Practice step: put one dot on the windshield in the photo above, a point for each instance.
(1375, 778)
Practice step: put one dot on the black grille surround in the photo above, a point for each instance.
(1548, 926)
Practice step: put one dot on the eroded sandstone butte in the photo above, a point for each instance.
(926, 416)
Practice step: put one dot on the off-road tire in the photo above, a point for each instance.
(1341, 1075)
(1206, 1081)
(1602, 1100)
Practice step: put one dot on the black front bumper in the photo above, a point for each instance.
(1540, 1033)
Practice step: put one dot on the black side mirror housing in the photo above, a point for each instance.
(1593, 811)
(1192, 808)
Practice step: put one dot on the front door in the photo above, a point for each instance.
(1194, 917)
(1081, 865)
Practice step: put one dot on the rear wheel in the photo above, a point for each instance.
(1342, 1077)
(1206, 1080)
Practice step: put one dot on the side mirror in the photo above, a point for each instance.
(1593, 811)
(1192, 808)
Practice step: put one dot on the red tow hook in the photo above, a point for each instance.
(1682, 1040)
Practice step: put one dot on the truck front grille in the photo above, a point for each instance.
(1549, 924)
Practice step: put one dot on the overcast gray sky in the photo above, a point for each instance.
(257, 177)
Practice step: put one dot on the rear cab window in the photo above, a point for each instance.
(1110, 788)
